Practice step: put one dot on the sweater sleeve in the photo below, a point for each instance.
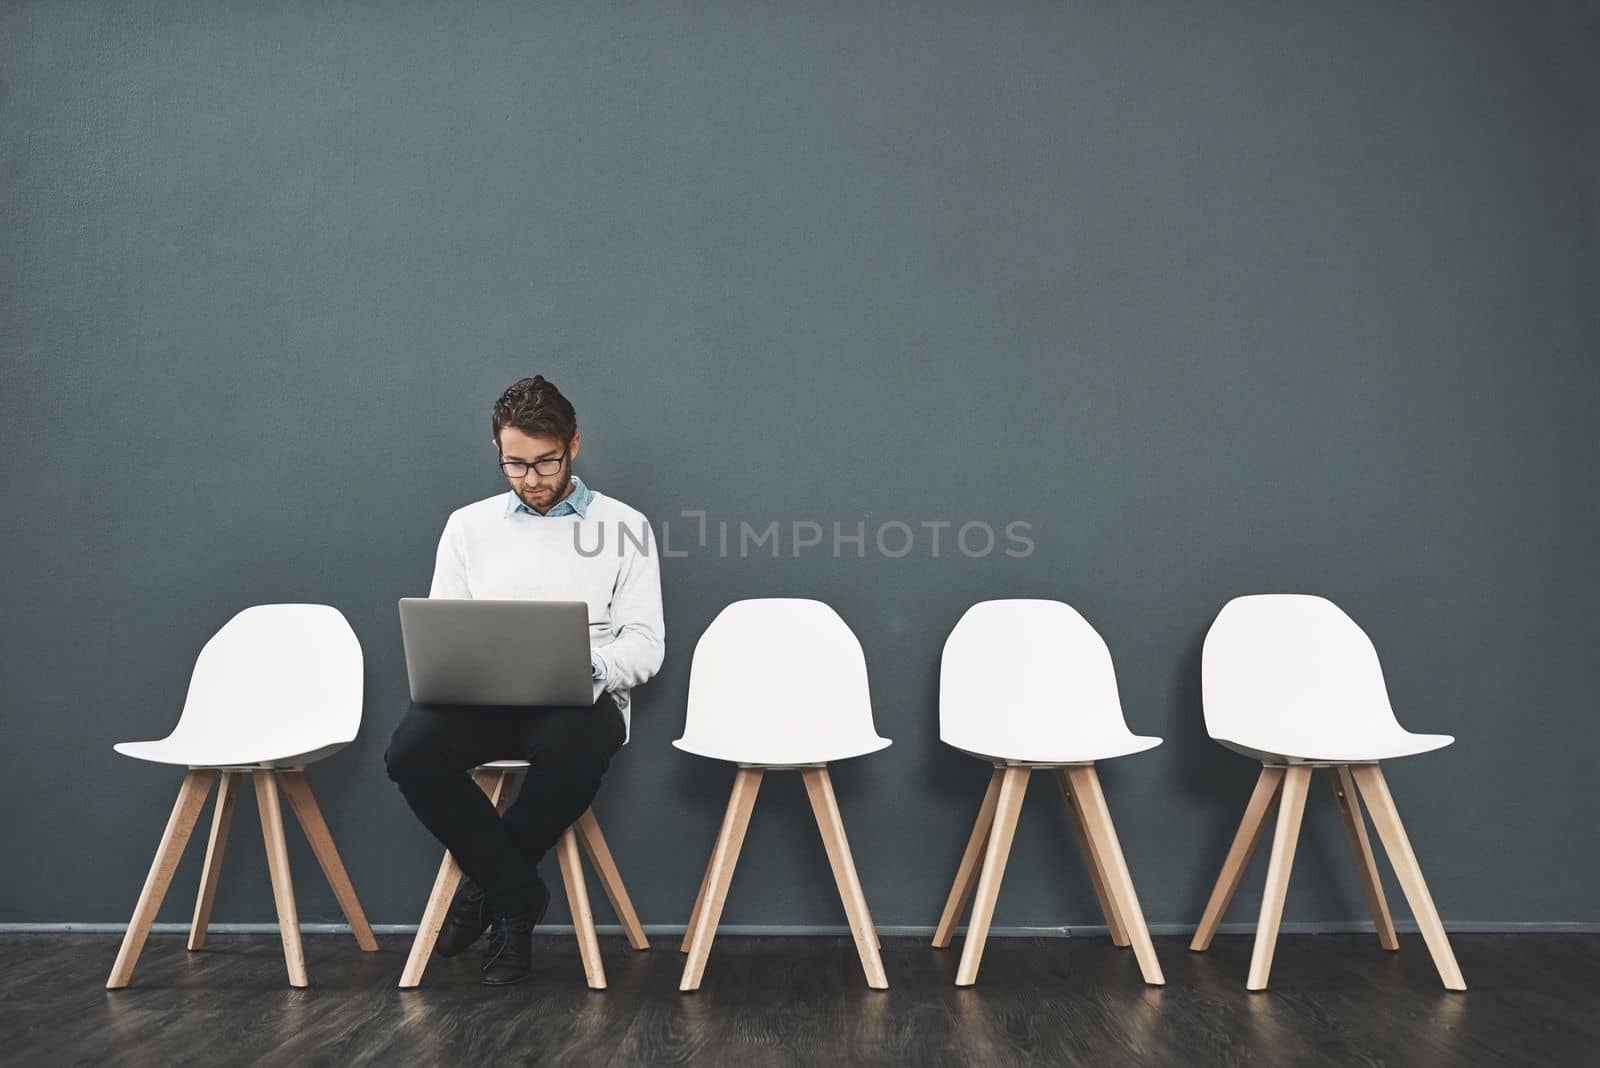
(450, 565)
(634, 655)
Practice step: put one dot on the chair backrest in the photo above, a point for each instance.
(277, 672)
(779, 679)
(1021, 675)
(1291, 664)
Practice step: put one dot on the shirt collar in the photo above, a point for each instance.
(575, 503)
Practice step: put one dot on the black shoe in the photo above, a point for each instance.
(508, 956)
(466, 920)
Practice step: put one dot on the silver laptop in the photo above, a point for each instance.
(471, 652)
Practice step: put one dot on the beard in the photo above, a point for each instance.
(532, 501)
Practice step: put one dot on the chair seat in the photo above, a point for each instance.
(224, 752)
(1366, 750)
(1079, 751)
(777, 756)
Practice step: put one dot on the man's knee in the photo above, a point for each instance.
(411, 755)
(401, 762)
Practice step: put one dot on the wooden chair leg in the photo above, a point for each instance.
(1008, 805)
(1291, 807)
(1386, 818)
(309, 813)
(694, 915)
(444, 889)
(1239, 853)
(294, 957)
(578, 904)
(1091, 857)
(495, 782)
(1102, 834)
(185, 811)
(1355, 828)
(221, 821)
(967, 871)
(720, 873)
(825, 807)
(594, 844)
(500, 785)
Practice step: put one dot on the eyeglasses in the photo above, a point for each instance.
(515, 469)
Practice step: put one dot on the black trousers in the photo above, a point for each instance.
(434, 749)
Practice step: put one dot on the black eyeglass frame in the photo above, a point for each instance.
(506, 465)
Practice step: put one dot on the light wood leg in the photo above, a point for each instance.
(499, 785)
(967, 871)
(699, 903)
(825, 807)
(720, 873)
(1097, 872)
(1008, 805)
(578, 905)
(444, 889)
(1355, 828)
(309, 813)
(1296, 780)
(221, 821)
(185, 811)
(594, 844)
(494, 782)
(294, 957)
(1386, 818)
(1102, 834)
(1239, 853)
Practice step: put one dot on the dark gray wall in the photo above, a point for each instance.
(1220, 298)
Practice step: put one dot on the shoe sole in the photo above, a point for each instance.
(506, 982)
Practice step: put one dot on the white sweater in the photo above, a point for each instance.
(487, 552)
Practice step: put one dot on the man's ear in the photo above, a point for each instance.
(577, 442)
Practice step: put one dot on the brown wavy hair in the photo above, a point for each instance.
(536, 407)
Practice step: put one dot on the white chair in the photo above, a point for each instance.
(277, 688)
(497, 779)
(1291, 681)
(1027, 684)
(779, 683)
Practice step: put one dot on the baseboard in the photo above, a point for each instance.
(835, 931)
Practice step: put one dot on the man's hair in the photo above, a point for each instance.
(537, 408)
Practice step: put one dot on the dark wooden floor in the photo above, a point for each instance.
(1335, 1000)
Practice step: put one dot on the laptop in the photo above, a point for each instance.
(485, 652)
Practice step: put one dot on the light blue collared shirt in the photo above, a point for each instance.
(575, 503)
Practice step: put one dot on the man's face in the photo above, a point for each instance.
(539, 492)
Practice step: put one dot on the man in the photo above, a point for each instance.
(525, 544)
